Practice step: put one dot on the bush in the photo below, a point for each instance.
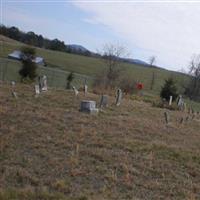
(169, 89)
(28, 70)
(70, 78)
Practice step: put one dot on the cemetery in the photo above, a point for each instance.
(67, 141)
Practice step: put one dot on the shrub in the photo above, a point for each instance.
(70, 78)
(169, 89)
(28, 70)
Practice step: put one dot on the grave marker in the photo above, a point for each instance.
(85, 89)
(37, 90)
(75, 91)
(103, 101)
(118, 97)
(43, 83)
(166, 115)
(180, 102)
(88, 107)
(170, 100)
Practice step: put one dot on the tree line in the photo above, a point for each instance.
(31, 38)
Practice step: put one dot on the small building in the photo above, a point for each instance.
(17, 55)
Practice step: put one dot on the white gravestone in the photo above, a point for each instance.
(88, 106)
(13, 83)
(85, 89)
(37, 90)
(43, 83)
(180, 102)
(75, 91)
(170, 100)
(103, 101)
(118, 97)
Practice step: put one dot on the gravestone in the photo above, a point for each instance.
(13, 83)
(75, 91)
(104, 101)
(14, 94)
(166, 115)
(170, 100)
(118, 97)
(180, 102)
(89, 107)
(85, 89)
(37, 90)
(43, 83)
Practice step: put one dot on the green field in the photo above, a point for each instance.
(85, 66)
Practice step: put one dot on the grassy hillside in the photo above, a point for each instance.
(49, 150)
(92, 66)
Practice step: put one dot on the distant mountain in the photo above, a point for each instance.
(135, 61)
(77, 47)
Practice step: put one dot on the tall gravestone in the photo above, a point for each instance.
(37, 90)
(118, 97)
(75, 91)
(85, 89)
(103, 101)
(180, 102)
(43, 83)
(170, 100)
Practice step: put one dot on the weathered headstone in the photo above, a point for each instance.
(14, 94)
(88, 106)
(104, 101)
(37, 90)
(13, 83)
(75, 91)
(118, 97)
(180, 102)
(85, 89)
(43, 83)
(170, 100)
(166, 115)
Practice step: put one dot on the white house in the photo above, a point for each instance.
(18, 56)
(15, 55)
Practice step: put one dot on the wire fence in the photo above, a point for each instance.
(9, 71)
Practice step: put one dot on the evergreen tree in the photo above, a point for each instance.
(169, 89)
(70, 78)
(28, 69)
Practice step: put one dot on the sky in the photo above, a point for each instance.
(169, 30)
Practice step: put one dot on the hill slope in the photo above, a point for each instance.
(49, 150)
(91, 66)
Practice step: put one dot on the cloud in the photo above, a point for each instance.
(169, 30)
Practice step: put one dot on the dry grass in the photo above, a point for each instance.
(49, 150)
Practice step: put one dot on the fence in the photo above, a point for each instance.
(9, 71)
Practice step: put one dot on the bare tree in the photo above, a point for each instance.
(112, 56)
(193, 89)
(152, 60)
(152, 80)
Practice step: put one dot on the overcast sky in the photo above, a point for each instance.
(167, 29)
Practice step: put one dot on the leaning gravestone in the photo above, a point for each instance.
(75, 91)
(89, 107)
(118, 97)
(170, 100)
(104, 101)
